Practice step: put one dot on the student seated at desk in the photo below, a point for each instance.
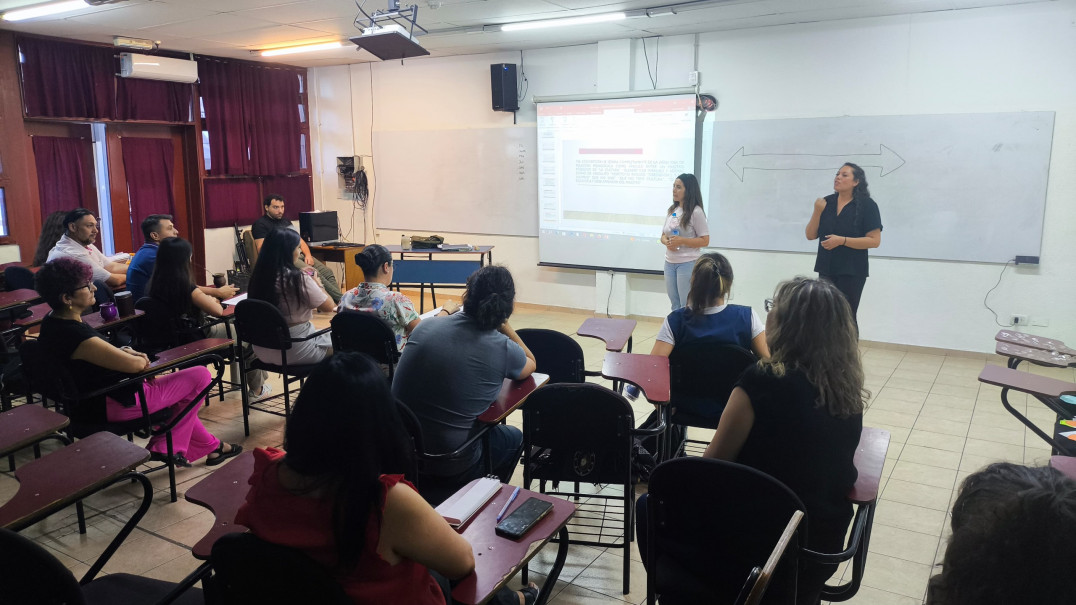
(297, 294)
(1013, 528)
(94, 364)
(340, 496)
(797, 416)
(708, 318)
(452, 370)
(374, 296)
(172, 283)
(51, 231)
(80, 231)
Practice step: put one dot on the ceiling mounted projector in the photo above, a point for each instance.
(389, 42)
(390, 34)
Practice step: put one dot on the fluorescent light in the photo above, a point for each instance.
(43, 10)
(306, 48)
(524, 25)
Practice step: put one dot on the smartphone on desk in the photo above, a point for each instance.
(517, 524)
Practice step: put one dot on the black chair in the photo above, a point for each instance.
(583, 433)
(30, 574)
(251, 571)
(557, 354)
(709, 522)
(437, 476)
(161, 329)
(53, 382)
(701, 378)
(365, 333)
(18, 278)
(262, 325)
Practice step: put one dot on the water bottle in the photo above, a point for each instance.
(676, 227)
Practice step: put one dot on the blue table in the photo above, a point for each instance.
(439, 268)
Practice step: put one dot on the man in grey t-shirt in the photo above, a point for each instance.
(451, 371)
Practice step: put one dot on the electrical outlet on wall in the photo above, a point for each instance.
(1018, 319)
(693, 78)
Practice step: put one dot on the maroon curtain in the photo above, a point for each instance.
(152, 100)
(296, 191)
(252, 115)
(61, 174)
(65, 80)
(231, 202)
(149, 166)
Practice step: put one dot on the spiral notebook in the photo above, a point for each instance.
(463, 508)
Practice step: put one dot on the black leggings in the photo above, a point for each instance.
(849, 285)
(504, 596)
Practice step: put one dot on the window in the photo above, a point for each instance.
(3, 214)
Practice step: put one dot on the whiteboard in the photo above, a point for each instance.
(964, 187)
(457, 181)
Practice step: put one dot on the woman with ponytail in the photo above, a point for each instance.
(374, 296)
(452, 370)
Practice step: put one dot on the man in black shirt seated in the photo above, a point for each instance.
(273, 219)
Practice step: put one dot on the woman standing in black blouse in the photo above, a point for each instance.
(849, 224)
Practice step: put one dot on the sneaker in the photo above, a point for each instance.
(631, 392)
(266, 390)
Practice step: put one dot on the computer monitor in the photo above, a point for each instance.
(319, 226)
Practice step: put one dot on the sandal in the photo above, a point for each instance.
(177, 459)
(530, 594)
(221, 455)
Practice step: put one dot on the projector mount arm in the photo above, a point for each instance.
(394, 13)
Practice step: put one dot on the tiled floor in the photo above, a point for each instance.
(944, 425)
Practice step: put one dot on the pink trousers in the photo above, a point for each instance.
(173, 391)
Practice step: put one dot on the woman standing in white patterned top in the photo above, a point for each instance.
(684, 234)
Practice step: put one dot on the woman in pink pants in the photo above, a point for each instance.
(66, 285)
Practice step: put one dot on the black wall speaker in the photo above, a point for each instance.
(502, 81)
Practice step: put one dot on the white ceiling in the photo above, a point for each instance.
(234, 28)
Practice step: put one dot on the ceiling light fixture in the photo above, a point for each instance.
(544, 23)
(44, 10)
(305, 48)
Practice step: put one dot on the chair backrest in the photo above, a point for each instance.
(705, 369)
(710, 522)
(45, 376)
(365, 333)
(556, 353)
(18, 278)
(249, 570)
(103, 294)
(32, 575)
(585, 431)
(261, 324)
(160, 328)
(248, 245)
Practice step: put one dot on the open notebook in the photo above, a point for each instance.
(457, 512)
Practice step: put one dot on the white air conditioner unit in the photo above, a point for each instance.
(150, 67)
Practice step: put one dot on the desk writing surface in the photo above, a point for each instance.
(1043, 357)
(223, 491)
(496, 558)
(615, 333)
(1025, 382)
(37, 315)
(187, 352)
(21, 426)
(513, 394)
(17, 297)
(1033, 341)
(95, 321)
(869, 460)
(397, 249)
(648, 372)
(66, 475)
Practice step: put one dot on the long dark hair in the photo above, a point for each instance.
(490, 296)
(171, 281)
(692, 199)
(711, 278)
(810, 329)
(371, 259)
(51, 231)
(345, 432)
(275, 272)
(861, 190)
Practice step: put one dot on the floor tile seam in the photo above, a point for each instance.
(921, 533)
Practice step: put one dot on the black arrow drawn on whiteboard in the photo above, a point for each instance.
(886, 159)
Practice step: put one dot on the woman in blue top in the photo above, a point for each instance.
(708, 317)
